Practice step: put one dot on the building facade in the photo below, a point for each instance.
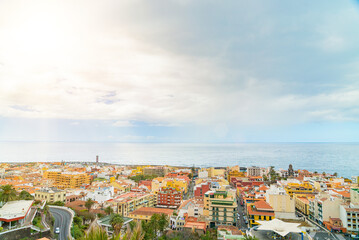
(51, 195)
(169, 197)
(220, 207)
(253, 171)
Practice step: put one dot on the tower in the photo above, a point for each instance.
(97, 159)
(290, 171)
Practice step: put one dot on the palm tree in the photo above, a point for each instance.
(99, 234)
(89, 203)
(7, 193)
(109, 210)
(135, 233)
(116, 222)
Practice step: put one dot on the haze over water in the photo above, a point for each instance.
(342, 158)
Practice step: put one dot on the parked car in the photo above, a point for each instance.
(57, 230)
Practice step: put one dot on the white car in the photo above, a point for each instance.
(57, 230)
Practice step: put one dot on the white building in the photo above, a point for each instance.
(15, 212)
(101, 195)
(253, 171)
(282, 204)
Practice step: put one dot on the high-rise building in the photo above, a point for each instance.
(220, 208)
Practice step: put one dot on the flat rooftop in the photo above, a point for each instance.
(15, 210)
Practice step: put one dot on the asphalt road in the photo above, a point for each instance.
(62, 220)
(240, 222)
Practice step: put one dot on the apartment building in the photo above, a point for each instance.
(349, 215)
(259, 210)
(169, 197)
(50, 195)
(324, 206)
(159, 171)
(220, 208)
(253, 171)
(129, 202)
(65, 180)
(282, 204)
(234, 173)
(200, 189)
(302, 202)
(299, 188)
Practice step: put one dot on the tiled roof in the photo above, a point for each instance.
(150, 211)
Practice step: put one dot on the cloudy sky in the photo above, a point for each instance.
(179, 70)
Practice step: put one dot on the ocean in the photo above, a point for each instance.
(342, 158)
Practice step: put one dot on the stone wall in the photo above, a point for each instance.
(24, 233)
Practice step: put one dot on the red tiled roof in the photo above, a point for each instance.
(262, 205)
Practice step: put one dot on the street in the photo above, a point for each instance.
(62, 220)
(241, 222)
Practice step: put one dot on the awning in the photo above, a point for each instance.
(278, 226)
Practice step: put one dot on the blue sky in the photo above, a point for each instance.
(179, 71)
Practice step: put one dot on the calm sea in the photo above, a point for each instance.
(342, 158)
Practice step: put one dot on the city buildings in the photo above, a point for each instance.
(253, 171)
(145, 213)
(282, 204)
(169, 197)
(50, 195)
(220, 207)
(65, 180)
(298, 188)
(158, 171)
(131, 201)
(259, 210)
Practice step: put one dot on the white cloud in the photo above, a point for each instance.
(62, 64)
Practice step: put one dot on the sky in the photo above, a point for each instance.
(179, 71)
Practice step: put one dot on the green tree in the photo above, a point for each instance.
(162, 223)
(116, 222)
(24, 195)
(89, 203)
(76, 231)
(109, 210)
(132, 225)
(154, 222)
(77, 220)
(7, 193)
(335, 174)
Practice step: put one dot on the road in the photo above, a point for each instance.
(241, 222)
(189, 193)
(63, 221)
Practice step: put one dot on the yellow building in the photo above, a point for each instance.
(302, 202)
(296, 188)
(234, 173)
(145, 213)
(131, 201)
(179, 184)
(220, 208)
(67, 180)
(157, 184)
(212, 172)
(50, 195)
(260, 210)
